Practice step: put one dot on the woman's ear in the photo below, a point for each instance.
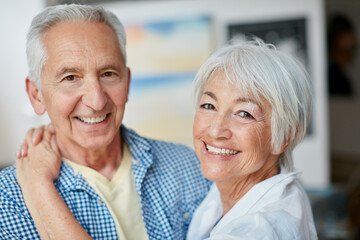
(35, 96)
(288, 140)
(282, 149)
(285, 146)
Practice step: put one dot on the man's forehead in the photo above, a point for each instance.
(70, 42)
(76, 29)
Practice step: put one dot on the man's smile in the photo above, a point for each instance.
(92, 120)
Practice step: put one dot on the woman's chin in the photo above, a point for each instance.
(214, 173)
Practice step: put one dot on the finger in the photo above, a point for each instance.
(29, 136)
(18, 162)
(47, 135)
(38, 134)
(54, 145)
(51, 128)
(22, 152)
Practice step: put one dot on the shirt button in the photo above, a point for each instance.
(186, 215)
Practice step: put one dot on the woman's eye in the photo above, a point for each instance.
(246, 115)
(207, 106)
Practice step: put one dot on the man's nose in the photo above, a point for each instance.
(220, 127)
(94, 94)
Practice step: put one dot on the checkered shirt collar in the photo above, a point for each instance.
(70, 180)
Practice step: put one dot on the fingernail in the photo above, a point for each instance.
(18, 154)
(22, 152)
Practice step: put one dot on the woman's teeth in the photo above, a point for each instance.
(221, 151)
(92, 120)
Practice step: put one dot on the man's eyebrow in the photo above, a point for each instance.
(110, 66)
(65, 70)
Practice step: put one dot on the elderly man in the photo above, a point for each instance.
(116, 183)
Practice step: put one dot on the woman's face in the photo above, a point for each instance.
(232, 132)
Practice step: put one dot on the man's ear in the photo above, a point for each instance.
(35, 96)
(129, 80)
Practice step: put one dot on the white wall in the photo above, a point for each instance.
(15, 112)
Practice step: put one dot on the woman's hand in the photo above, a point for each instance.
(37, 167)
(36, 134)
(40, 163)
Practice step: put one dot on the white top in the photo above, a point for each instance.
(277, 208)
(120, 196)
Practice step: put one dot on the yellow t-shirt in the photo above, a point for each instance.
(119, 195)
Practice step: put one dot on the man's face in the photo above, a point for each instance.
(85, 84)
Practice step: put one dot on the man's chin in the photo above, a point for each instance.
(97, 142)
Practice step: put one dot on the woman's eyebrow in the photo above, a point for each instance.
(248, 100)
(242, 99)
(211, 94)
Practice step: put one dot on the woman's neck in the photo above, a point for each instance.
(233, 189)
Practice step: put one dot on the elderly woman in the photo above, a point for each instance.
(253, 108)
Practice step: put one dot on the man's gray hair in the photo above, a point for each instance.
(36, 53)
(259, 70)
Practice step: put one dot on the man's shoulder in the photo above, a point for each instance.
(158, 148)
(174, 148)
(8, 182)
(16, 222)
(11, 198)
(10, 191)
(8, 172)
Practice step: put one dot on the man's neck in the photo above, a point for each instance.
(104, 160)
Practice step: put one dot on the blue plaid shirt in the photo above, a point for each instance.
(167, 177)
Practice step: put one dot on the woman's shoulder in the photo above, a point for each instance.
(266, 225)
(278, 207)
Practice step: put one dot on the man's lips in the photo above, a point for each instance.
(92, 120)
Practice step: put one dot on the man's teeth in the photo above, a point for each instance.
(221, 151)
(92, 120)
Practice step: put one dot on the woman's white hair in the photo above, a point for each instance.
(259, 70)
(36, 54)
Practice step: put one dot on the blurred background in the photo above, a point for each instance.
(167, 43)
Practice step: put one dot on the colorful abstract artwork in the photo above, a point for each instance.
(163, 57)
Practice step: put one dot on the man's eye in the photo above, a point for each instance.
(108, 74)
(246, 115)
(207, 106)
(70, 78)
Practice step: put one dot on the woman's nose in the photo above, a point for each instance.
(220, 127)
